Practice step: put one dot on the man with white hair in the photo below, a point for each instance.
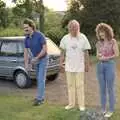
(74, 52)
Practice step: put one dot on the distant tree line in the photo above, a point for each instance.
(91, 12)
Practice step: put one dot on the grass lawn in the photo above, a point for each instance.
(20, 108)
(14, 107)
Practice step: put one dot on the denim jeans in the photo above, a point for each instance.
(41, 77)
(106, 77)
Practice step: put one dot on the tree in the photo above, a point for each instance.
(72, 13)
(3, 15)
(91, 12)
(26, 7)
(23, 9)
(53, 28)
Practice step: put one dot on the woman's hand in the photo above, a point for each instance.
(103, 58)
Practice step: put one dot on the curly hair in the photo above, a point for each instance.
(103, 27)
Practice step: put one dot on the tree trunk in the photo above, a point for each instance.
(41, 19)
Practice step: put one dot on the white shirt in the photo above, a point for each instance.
(74, 49)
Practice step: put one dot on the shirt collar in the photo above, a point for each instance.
(28, 35)
(78, 36)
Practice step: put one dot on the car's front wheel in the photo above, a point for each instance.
(52, 77)
(22, 80)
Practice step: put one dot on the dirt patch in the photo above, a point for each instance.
(56, 91)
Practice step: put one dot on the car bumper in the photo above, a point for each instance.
(51, 70)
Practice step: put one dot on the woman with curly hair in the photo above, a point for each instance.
(107, 50)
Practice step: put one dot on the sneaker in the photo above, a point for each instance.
(108, 114)
(68, 107)
(82, 109)
(38, 102)
(104, 112)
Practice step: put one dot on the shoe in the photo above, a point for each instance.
(68, 107)
(108, 114)
(82, 109)
(37, 102)
(104, 112)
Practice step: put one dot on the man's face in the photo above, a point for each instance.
(74, 29)
(27, 29)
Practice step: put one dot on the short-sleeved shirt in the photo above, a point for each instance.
(35, 42)
(74, 50)
(105, 48)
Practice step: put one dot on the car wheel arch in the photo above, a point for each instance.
(17, 70)
(25, 84)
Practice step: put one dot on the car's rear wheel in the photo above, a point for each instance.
(22, 80)
(52, 77)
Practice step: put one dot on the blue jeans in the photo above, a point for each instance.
(41, 77)
(106, 77)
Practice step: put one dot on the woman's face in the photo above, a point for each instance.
(102, 35)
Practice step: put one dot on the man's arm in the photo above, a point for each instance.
(26, 57)
(87, 60)
(41, 54)
(62, 59)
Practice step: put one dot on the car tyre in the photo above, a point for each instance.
(22, 80)
(52, 77)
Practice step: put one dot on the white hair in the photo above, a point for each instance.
(73, 23)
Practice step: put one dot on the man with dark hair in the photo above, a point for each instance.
(36, 44)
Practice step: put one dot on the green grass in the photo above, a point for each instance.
(93, 59)
(20, 108)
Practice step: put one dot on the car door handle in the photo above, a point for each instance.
(13, 61)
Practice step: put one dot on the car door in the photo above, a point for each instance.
(20, 53)
(8, 57)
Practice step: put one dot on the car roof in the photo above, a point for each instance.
(18, 38)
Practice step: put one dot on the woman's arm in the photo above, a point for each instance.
(115, 48)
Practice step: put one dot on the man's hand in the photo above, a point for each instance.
(34, 60)
(86, 67)
(62, 68)
(28, 67)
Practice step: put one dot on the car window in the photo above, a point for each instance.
(52, 47)
(8, 49)
(20, 49)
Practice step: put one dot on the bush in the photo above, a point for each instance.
(11, 32)
(55, 34)
(92, 40)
